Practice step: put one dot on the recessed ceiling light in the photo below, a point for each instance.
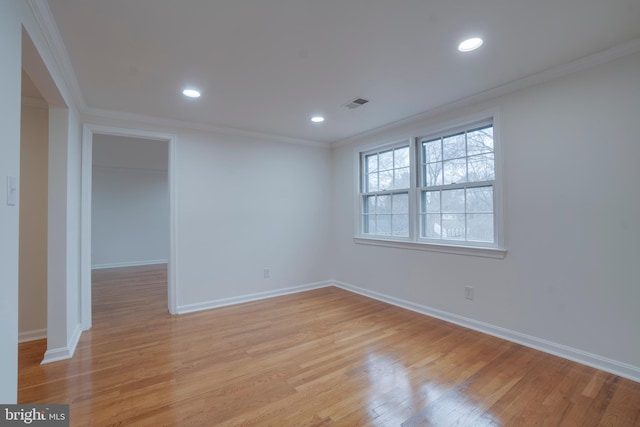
(470, 44)
(317, 119)
(191, 93)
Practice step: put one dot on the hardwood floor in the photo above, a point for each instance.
(320, 357)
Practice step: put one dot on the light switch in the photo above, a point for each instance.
(12, 190)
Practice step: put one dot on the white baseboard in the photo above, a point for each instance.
(55, 355)
(190, 308)
(34, 335)
(586, 358)
(583, 357)
(129, 264)
(62, 353)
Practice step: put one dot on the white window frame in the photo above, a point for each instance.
(414, 240)
(410, 190)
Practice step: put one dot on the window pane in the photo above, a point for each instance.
(400, 225)
(401, 178)
(383, 224)
(385, 180)
(481, 168)
(372, 182)
(401, 158)
(453, 201)
(401, 203)
(480, 141)
(369, 224)
(383, 204)
(431, 201)
(370, 204)
(434, 174)
(453, 226)
(480, 227)
(432, 228)
(371, 162)
(480, 199)
(432, 151)
(455, 171)
(454, 146)
(386, 160)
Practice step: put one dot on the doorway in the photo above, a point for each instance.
(124, 163)
(32, 260)
(53, 284)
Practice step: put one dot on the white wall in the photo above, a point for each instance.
(63, 267)
(71, 288)
(63, 241)
(34, 141)
(571, 274)
(10, 69)
(246, 205)
(130, 202)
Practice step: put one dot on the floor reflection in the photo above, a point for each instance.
(396, 398)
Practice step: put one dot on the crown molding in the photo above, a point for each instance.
(46, 22)
(604, 56)
(53, 39)
(96, 115)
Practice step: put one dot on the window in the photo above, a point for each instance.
(385, 191)
(456, 186)
(434, 192)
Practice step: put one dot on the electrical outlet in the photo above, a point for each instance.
(468, 292)
(267, 273)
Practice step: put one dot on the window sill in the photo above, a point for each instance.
(432, 247)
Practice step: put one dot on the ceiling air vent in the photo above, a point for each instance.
(358, 102)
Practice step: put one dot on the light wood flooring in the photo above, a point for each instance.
(325, 356)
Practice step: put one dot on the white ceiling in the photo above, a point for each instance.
(268, 65)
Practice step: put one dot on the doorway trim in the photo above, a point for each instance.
(88, 130)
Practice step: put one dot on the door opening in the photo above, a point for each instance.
(127, 205)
